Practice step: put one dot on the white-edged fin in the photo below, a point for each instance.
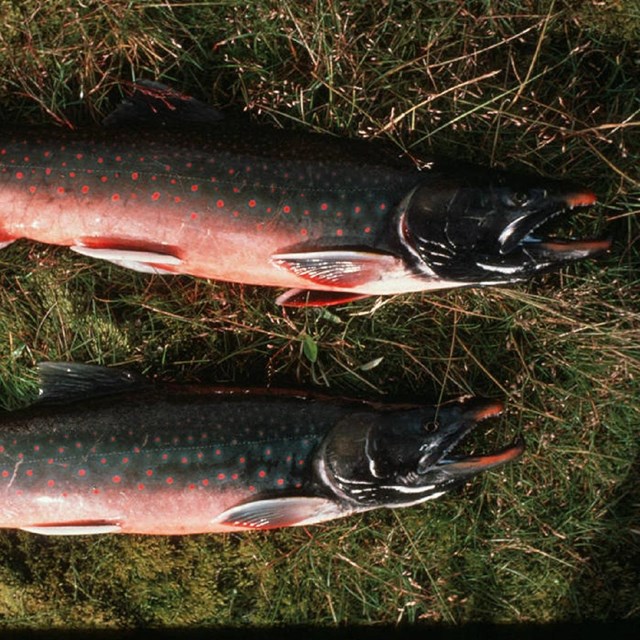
(318, 298)
(79, 529)
(143, 261)
(4, 243)
(343, 268)
(280, 512)
(68, 381)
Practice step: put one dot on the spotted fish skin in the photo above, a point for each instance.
(121, 456)
(217, 206)
(331, 220)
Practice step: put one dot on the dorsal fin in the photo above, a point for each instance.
(68, 381)
(152, 103)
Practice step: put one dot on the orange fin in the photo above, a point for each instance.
(280, 512)
(344, 268)
(75, 528)
(306, 298)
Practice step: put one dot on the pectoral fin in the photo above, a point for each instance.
(279, 512)
(345, 269)
(306, 298)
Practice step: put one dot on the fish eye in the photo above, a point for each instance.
(517, 199)
(431, 427)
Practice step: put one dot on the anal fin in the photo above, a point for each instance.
(78, 528)
(141, 260)
(280, 512)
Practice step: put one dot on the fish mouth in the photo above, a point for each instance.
(457, 467)
(525, 232)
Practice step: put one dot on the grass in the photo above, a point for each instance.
(549, 86)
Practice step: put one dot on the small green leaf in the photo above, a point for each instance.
(310, 348)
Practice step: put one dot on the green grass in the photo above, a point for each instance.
(550, 86)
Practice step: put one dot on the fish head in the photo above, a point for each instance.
(405, 457)
(484, 226)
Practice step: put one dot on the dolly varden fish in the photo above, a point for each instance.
(331, 220)
(105, 452)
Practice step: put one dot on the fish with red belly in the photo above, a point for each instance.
(105, 452)
(331, 220)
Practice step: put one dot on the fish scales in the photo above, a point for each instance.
(203, 453)
(162, 192)
(106, 452)
(329, 219)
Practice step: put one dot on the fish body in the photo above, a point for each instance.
(328, 219)
(108, 453)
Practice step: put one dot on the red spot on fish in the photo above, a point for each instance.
(20, 456)
(194, 215)
(51, 483)
(205, 482)
(357, 209)
(149, 472)
(1, 449)
(115, 197)
(231, 171)
(100, 160)
(192, 486)
(72, 174)
(50, 461)
(383, 206)
(235, 189)
(60, 190)
(60, 449)
(280, 481)
(262, 473)
(5, 474)
(140, 486)
(19, 175)
(252, 203)
(338, 232)
(95, 491)
(367, 229)
(324, 206)
(220, 204)
(242, 460)
(251, 488)
(200, 455)
(301, 462)
(103, 461)
(103, 178)
(286, 208)
(82, 472)
(218, 452)
(338, 214)
(155, 195)
(79, 156)
(36, 447)
(135, 175)
(85, 188)
(234, 476)
(29, 472)
(165, 456)
(118, 158)
(47, 171)
(136, 449)
(184, 460)
(116, 479)
(236, 213)
(125, 460)
(221, 476)
(194, 187)
(169, 480)
(173, 181)
(177, 199)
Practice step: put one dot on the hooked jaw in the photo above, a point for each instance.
(464, 467)
(448, 468)
(487, 229)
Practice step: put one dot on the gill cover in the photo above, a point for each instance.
(403, 457)
(477, 226)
